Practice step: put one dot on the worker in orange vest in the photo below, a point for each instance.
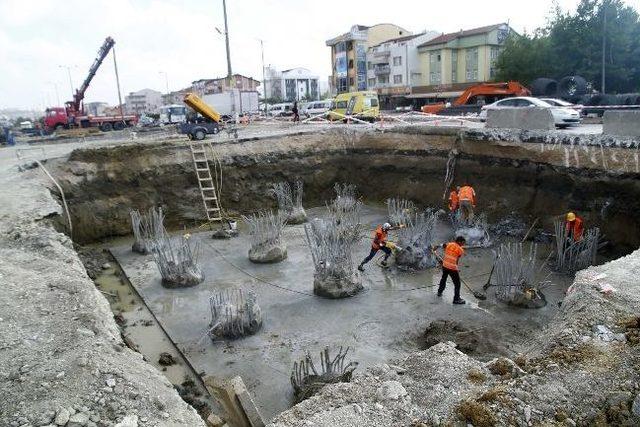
(467, 196)
(379, 244)
(452, 253)
(574, 227)
(454, 200)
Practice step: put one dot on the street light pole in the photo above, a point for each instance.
(69, 74)
(226, 39)
(55, 85)
(604, 44)
(166, 79)
(264, 79)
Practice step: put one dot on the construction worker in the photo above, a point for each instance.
(574, 227)
(454, 200)
(452, 253)
(379, 244)
(467, 197)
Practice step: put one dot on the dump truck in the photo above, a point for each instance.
(198, 128)
(472, 99)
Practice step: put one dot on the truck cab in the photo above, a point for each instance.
(55, 118)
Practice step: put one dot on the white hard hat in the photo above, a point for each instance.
(386, 226)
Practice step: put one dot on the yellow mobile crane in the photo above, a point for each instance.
(198, 129)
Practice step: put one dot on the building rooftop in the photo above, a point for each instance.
(445, 38)
(401, 39)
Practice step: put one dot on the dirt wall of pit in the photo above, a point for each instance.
(536, 180)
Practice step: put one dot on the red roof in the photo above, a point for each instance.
(445, 38)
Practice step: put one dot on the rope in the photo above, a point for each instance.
(266, 282)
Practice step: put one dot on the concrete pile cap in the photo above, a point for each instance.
(534, 118)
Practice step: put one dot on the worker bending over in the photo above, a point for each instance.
(454, 200)
(379, 244)
(467, 197)
(452, 253)
(574, 227)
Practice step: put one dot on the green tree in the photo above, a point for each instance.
(571, 44)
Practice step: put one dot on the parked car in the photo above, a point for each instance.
(562, 116)
(281, 110)
(562, 103)
(317, 107)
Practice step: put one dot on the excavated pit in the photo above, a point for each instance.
(527, 180)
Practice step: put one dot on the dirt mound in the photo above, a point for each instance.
(478, 342)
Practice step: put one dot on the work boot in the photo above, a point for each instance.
(459, 301)
(360, 267)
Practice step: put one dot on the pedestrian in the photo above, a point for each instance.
(574, 227)
(296, 116)
(467, 196)
(452, 253)
(379, 244)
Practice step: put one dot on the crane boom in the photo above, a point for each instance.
(75, 105)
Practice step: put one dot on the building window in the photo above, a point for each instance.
(383, 79)
(372, 82)
(351, 81)
(454, 66)
(369, 66)
(397, 60)
(350, 63)
(435, 67)
(397, 78)
(471, 70)
(416, 78)
(495, 52)
(341, 84)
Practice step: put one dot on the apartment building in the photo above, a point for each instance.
(452, 62)
(349, 54)
(143, 101)
(393, 67)
(295, 84)
(237, 81)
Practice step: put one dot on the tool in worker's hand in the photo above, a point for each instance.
(477, 294)
(493, 267)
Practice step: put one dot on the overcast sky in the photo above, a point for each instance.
(178, 37)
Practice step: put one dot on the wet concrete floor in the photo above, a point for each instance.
(380, 324)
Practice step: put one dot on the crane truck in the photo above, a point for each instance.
(472, 99)
(73, 114)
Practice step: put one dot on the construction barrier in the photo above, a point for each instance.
(621, 123)
(534, 118)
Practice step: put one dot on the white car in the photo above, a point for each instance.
(317, 107)
(562, 116)
(562, 103)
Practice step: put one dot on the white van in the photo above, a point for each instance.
(317, 107)
(173, 113)
(281, 110)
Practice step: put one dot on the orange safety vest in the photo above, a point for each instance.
(467, 193)
(452, 252)
(575, 229)
(379, 237)
(453, 200)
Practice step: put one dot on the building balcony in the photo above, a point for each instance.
(382, 54)
(382, 70)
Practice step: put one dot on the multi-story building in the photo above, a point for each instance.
(452, 62)
(175, 97)
(349, 54)
(393, 67)
(295, 84)
(143, 101)
(237, 81)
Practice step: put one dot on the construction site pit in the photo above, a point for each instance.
(521, 186)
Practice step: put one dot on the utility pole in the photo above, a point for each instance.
(604, 44)
(264, 80)
(115, 64)
(226, 39)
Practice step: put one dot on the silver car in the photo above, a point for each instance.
(562, 116)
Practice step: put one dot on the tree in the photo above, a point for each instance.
(571, 44)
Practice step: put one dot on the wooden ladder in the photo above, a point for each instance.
(205, 180)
